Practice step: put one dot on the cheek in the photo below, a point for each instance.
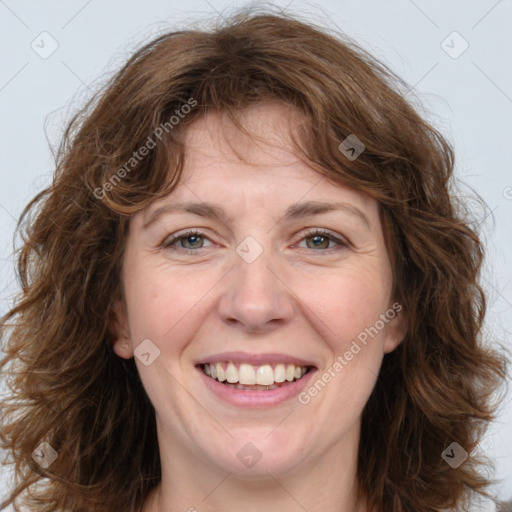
(346, 302)
(345, 309)
(163, 302)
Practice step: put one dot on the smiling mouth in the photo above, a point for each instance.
(248, 377)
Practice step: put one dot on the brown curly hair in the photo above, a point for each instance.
(67, 386)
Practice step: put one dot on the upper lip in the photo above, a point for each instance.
(255, 359)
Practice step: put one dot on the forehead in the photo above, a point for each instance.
(214, 136)
(221, 159)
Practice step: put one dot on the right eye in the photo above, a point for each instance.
(194, 239)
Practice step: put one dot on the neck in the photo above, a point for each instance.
(324, 483)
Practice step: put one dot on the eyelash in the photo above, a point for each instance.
(167, 244)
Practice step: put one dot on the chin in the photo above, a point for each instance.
(254, 454)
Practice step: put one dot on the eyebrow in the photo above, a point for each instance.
(294, 211)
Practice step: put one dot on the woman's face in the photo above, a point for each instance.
(260, 296)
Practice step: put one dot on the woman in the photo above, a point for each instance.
(249, 287)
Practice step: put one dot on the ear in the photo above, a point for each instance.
(396, 328)
(118, 326)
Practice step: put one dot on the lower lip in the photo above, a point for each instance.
(253, 399)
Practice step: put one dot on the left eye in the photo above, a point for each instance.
(320, 237)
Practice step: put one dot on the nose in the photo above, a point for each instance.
(255, 298)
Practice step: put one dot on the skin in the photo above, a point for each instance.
(294, 299)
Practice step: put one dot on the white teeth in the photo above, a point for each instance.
(265, 375)
(246, 375)
(231, 373)
(249, 375)
(280, 373)
(221, 374)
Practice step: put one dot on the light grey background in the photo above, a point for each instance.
(469, 98)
